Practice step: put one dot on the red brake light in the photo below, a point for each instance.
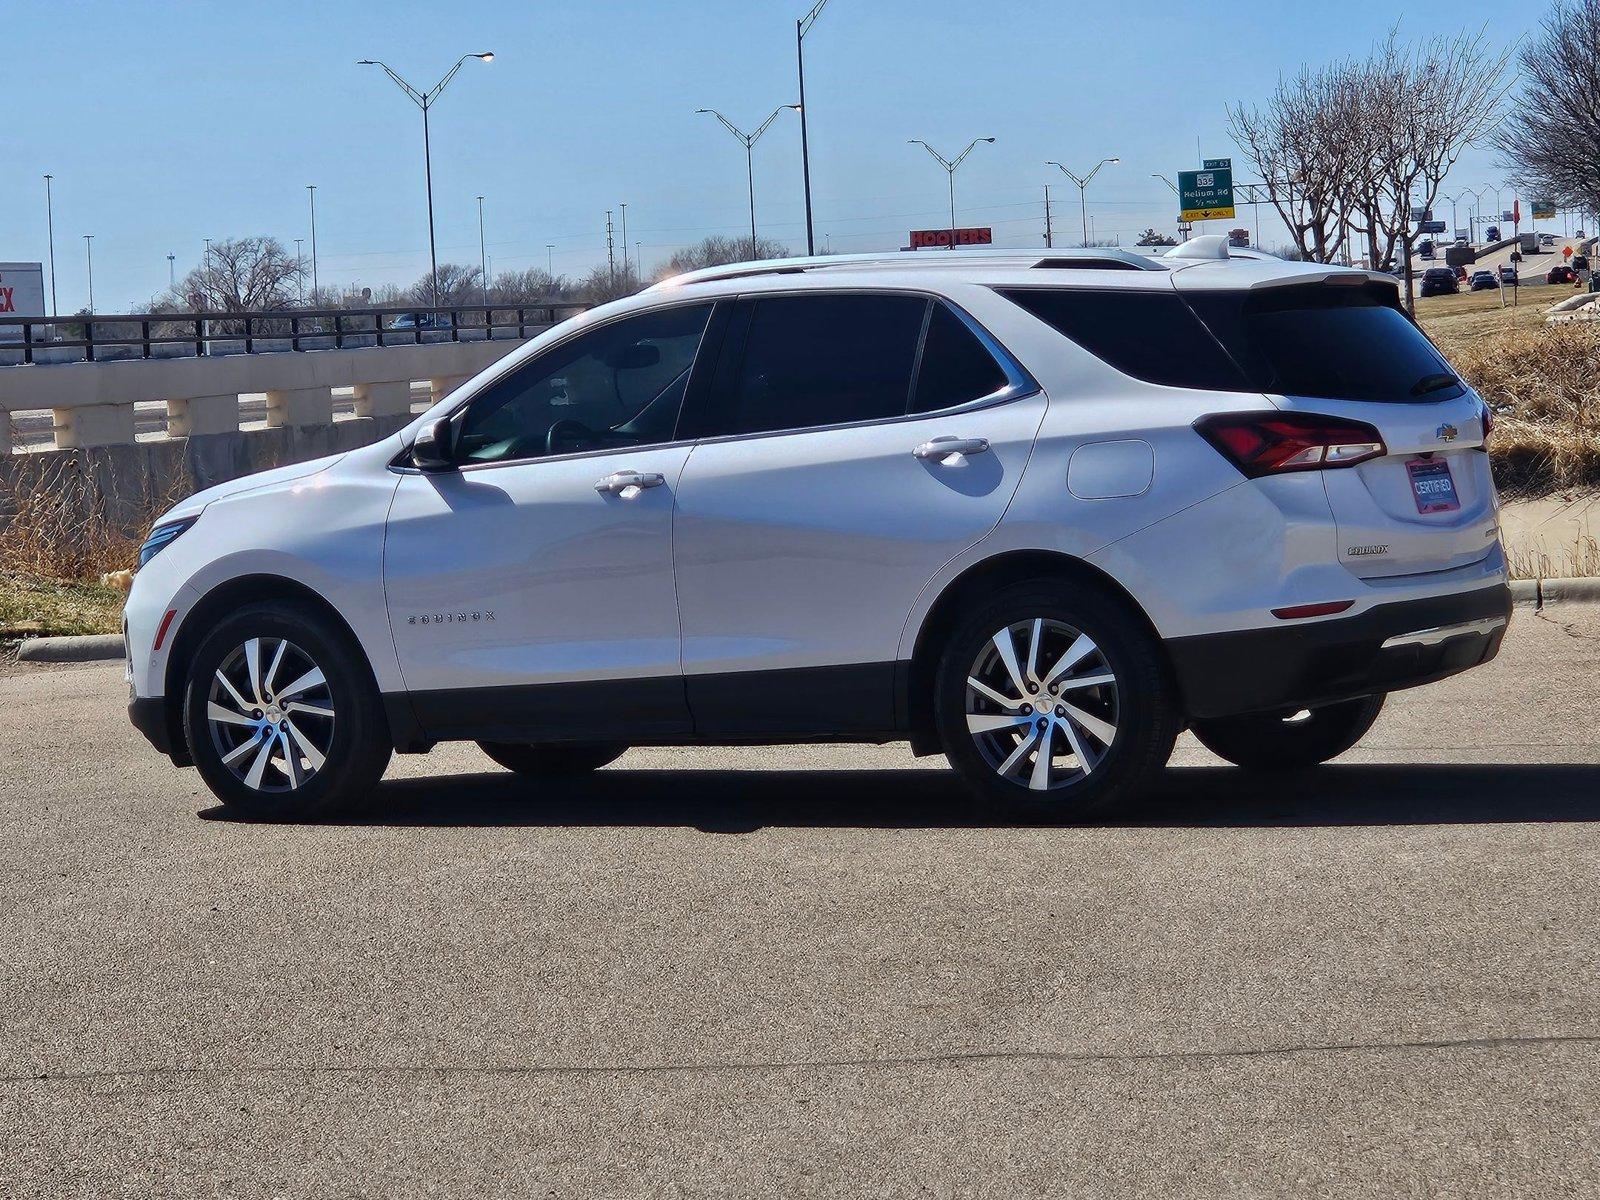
(1488, 424)
(1275, 443)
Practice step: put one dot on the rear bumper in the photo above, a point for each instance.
(1386, 648)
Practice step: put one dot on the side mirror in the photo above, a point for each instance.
(431, 450)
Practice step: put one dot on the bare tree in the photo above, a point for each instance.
(242, 275)
(458, 284)
(1549, 139)
(716, 251)
(1350, 148)
(526, 287)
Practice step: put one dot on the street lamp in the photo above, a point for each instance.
(312, 188)
(749, 140)
(1083, 205)
(88, 251)
(50, 224)
(424, 101)
(483, 254)
(950, 166)
(801, 28)
(172, 271)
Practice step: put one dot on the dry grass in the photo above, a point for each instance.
(1541, 380)
(1577, 561)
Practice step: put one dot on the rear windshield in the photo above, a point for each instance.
(1345, 343)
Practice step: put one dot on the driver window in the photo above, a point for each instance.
(619, 385)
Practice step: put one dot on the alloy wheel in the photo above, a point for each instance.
(271, 716)
(1041, 704)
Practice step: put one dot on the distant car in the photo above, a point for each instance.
(1561, 273)
(1461, 273)
(1508, 274)
(1440, 281)
(1483, 280)
(1492, 233)
(1579, 263)
(421, 320)
(1547, 239)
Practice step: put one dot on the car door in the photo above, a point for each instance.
(851, 445)
(530, 591)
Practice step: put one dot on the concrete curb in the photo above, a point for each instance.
(94, 648)
(1539, 592)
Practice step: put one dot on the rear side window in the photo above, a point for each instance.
(956, 368)
(825, 360)
(1330, 342)
(1151, 336)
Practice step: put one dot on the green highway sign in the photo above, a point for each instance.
(1216, 164)
(1544, 210)
(1205, 195)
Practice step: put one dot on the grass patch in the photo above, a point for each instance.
(32, 606)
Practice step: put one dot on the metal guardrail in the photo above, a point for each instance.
(200, 334)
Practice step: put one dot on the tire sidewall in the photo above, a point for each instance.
(1146, 718)
(359, 731)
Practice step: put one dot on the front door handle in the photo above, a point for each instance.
(629, 484)
(945, 448)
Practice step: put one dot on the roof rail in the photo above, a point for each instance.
(1095, 258)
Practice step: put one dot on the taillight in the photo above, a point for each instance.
(1275, 443)
(1488, 423)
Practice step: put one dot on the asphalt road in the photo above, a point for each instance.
(812, 972)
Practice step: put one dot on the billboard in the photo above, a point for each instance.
(21, 295)
(1544, 210)
(928, 239)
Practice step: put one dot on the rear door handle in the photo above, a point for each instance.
(629, 484)
(943, 448)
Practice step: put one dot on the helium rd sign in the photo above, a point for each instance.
(1205, 195)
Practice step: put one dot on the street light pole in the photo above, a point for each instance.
(172, 276)
(312, 188)
(1083, 183)
(749, 140)
(483, 253)
(950, 165)
(50, 224)
(424, 101)
(88, 250)
(801, 28)
(550, 260)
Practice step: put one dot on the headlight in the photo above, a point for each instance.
(161, 537)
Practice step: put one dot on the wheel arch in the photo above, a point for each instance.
(212, 607)
(974, 584)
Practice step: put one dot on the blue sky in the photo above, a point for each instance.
(165, 124)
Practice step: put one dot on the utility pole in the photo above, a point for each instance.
(483, 253)
(88, 250)
(624, 208)
(950, 165)
(1049, 238)
(801, 28)
(424, 101)
(312, 188)
(611, 251)
(750, 140)
(50, 223)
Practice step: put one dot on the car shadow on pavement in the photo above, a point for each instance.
(1195, 797)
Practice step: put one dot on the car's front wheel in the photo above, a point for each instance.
(551, 762)
(1290, 742)
(1053, 700)
(282, 716)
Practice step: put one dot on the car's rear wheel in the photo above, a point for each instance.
(282, 715)
(1052, 700)
(1290, 742)
(551, 762)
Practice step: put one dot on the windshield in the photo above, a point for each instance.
(1334, 342)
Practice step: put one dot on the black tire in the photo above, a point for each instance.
(355, 742)
(1140, 705)
(1266, 742)
(551, 762)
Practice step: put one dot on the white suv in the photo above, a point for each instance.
(1036, 512)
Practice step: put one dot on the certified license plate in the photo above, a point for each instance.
(1432, 485)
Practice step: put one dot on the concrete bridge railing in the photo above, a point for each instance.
(92, 404)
